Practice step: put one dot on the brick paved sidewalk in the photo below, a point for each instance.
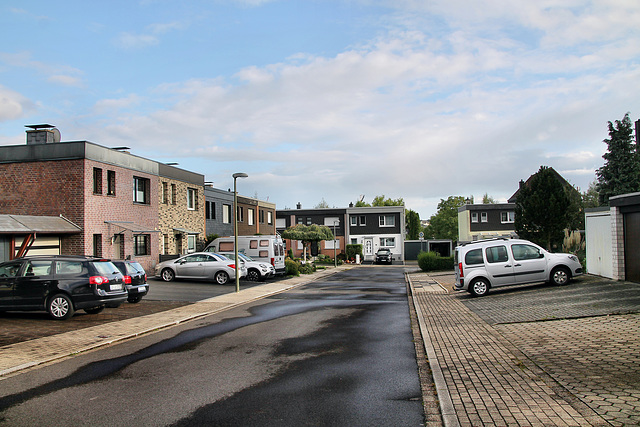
(489, 381)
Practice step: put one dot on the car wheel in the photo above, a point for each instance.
(479, 287)
(253, 275)
(94, 310)
(167, 275)
(60, 307)
(221, 278)
(134, 300)
(560, 276)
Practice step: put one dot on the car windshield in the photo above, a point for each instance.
(134, 267)
(246, 257)
(383, 251)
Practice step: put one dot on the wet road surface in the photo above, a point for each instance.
(335, 352)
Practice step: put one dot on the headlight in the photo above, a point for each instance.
(573, 258)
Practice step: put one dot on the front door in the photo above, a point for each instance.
(368, 249)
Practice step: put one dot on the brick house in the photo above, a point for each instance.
(181, 210)
(91, 186)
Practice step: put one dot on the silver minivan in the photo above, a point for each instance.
(490, 263)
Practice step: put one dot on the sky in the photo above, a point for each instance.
(330, 100)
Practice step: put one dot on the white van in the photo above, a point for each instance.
(269, 248)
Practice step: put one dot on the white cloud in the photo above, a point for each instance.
(13, 105)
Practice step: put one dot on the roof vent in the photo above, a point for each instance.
(42, 134)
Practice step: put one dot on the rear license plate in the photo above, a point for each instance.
(142, 289)
(115, 287)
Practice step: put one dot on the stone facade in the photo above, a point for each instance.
(617, 243)
(181, 216)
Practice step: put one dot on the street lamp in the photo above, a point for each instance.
(235, 221)
(335, 259)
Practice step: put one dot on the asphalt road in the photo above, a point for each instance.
(335, 352)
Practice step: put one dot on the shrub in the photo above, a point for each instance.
(291, 267)
(307, 268)
(353, 250)
(432, 261)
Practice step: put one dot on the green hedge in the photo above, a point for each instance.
(352, 250)
(295, 268)
(432, 261)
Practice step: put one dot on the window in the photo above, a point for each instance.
(210, 208)
(474, 216)
(97, 181)
(270, 218)
(507, 217)
(141, 244)
(483, 217)
(261, 216)
(38, 268)
(354, 241)
(174, 194)
(308, 221)
(363, 220)
(497, 254)
(165, 192)
(329, 244)
(250, 216)
(330, 221)
(387, 220)
(300, 220)
(192, 199)
(165, 244)
(226, 246)
(111, 183)
(389, 242)
(141, 187)
(354, 220)
(253, 244)
(97, 245)
(191, 243)
(524, 252)
(474, 256)
(240, 214)
(226, 214)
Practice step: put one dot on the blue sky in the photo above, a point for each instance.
(330, 100)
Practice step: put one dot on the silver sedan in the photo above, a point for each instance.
(202, 266)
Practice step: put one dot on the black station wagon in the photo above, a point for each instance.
(60, 285)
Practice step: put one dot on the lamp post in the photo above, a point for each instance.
(235, 222)
(335, 259)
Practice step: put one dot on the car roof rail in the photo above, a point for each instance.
(493, 239)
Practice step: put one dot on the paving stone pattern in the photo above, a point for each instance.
(597, 359)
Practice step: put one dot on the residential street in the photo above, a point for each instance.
(338, 351)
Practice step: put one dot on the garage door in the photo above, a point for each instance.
(632, 246)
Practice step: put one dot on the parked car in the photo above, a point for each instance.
(202, 266)
(135, 279)
(60, 285)
(384, 255)
(262, 248)
(490, 263)
(256, 271)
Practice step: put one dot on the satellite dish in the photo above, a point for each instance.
(56, 134)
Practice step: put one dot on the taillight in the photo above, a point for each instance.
(98, 280)
(127, 280)
(145, 277)
(273, 262)
(460, 269)
(231, 266)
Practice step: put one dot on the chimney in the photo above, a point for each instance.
(299, 205)
(42, 134)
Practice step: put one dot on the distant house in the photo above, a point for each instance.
(484, 221)
(559, 177)
(372, 227)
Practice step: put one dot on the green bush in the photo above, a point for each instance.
(432, 261)
(307, 268)
(353, 250)
(291, 267)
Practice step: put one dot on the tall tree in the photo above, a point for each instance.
(308, 234)
(381, 201)
(486, 199)
(444, 223)
(543, 209)
(413, 224)
(591, 197)
(322, 204)
(621, 171)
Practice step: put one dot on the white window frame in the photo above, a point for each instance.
(474, 217)
(250, 216)
(226, 214)
(507, 217)
(388, 242)
(329, 244)
(191, 243)
(384, 221)
(484, 217)
(354, 220)
(192, 197)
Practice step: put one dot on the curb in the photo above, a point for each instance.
(447, 410)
